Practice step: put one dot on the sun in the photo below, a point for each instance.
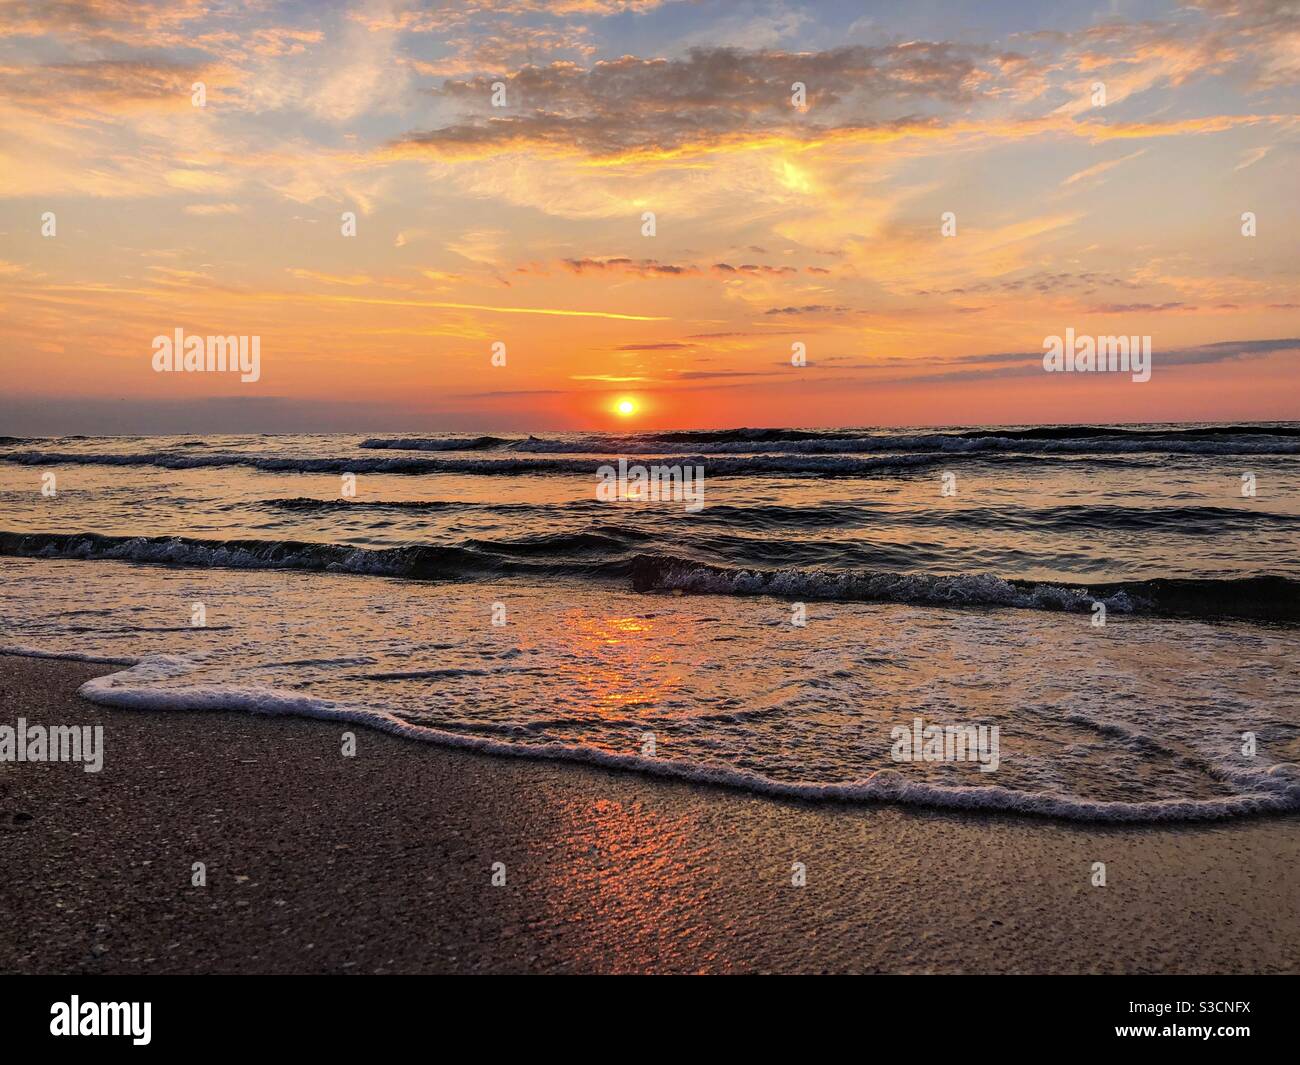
(625, 408)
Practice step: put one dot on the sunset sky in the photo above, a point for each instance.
(522, 224)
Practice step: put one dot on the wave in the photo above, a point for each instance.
(1275, 790)
(1060, 432)
(309, 504)
(467, 443)
(1032, 432)
(1185, 520)
(608, 552)
(762, 516)
(709, 436)
(726, 466)
(1041, 440)
(415, 562)
(1127, 443)
(1264, 598)
(1213, 439)
(306, 503)
(173, 460)
(612, 443)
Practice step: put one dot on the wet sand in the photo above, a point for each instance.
(383, 863)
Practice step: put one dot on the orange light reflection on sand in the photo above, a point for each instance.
(630, 866)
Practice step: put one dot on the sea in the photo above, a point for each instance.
(1118, 605)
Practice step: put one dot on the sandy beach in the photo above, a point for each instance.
(383, 863)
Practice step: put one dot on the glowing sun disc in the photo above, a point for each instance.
(625, 407)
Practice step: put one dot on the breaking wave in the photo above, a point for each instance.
(1266, 598)
(466, 443)
(608, 552)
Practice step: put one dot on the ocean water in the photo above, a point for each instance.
(834, 586)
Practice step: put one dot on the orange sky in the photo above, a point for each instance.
(522, 224)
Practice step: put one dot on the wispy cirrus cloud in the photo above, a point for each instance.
(1097, 169)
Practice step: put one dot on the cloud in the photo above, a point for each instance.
(654, 268)
(1138, 308)
(809, 308)
(478, 245)
(632, 105)
(1100, 168)
(714, 98)
(1040, 282)
(1253, 156)
(558, 312)
(103, 21)
(1030, 363)
(354, 280)
(638, 267)
(80, 90)
(206, 209)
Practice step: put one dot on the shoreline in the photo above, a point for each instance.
(884, 786)
(383, 863)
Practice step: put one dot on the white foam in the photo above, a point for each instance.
(923, 589)
(1278, 792)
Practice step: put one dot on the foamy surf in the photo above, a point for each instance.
(1266, 598)
(1276, 790)
(1140, 720)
